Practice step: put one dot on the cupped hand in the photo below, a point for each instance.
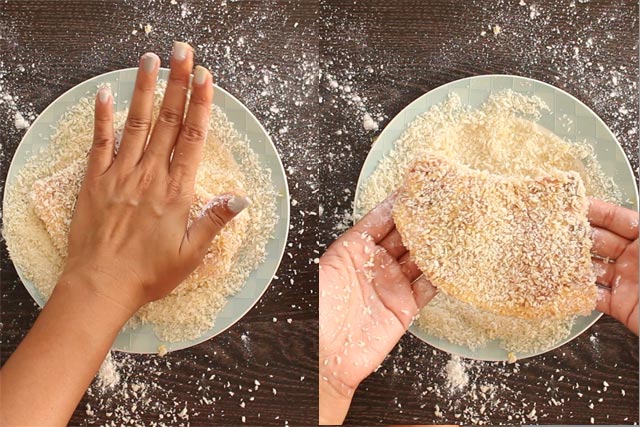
(370, 292)
(129, 237)
(615, 235)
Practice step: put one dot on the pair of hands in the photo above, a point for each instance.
(138, 203)
(370, 291)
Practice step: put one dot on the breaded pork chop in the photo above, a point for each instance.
(54, 197)
(512, 246)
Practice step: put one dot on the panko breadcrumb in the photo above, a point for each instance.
(512, 246)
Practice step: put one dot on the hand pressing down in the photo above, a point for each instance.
(369, 294)
(129, 243)
(615, 235)
(130, 224)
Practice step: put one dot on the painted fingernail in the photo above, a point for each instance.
(237, 204)
(148, 62)
(104, 94)
(180, 50)
(200, 75)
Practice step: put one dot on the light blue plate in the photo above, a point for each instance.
(142, 339)
(474, 91)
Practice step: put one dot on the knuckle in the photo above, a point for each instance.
(103, 119)
(90, 188)
(145, 86)
(620, 248)
(146, 178)
(200, 99)
(170, 117)
(215, 218)
(137, 124)
(608, 216)
(193, 134)
(102, 143)
(180, 80)
(609, 276)
(174, 189)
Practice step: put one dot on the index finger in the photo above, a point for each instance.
(622, 221)
(136, 128)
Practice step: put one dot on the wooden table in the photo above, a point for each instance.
(389, 53)
(264, 53)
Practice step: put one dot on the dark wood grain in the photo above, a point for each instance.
(390, 53)
(70, 41)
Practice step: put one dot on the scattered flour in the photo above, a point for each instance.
(457, 377)
(108, 375)
(368, 123)
(20, 122)
(20, 117)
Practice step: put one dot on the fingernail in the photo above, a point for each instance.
(148, 62)
(200, 75)
(237, 204)
(104, 94)
(180, 50)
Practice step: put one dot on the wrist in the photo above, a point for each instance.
(104, 294)
(334, 400)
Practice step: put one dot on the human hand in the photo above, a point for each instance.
(615, 235)
(128, 237)
(128, 243)
(370, 292)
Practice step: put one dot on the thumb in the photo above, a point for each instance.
(215, 215)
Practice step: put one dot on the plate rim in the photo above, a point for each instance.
(369, 158)
(286, 196)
